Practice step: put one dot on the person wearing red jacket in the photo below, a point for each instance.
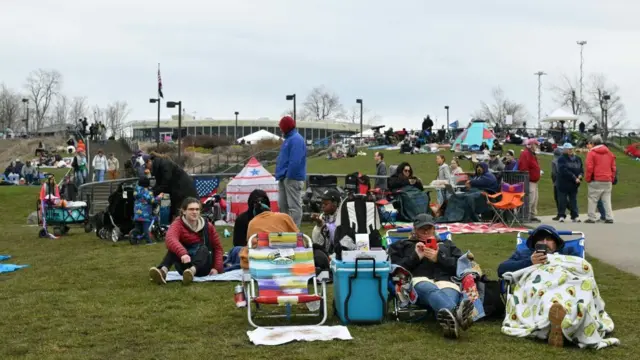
(600, 175)
(528, 162)
(193, 244)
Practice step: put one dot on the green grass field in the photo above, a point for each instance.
(84, 298)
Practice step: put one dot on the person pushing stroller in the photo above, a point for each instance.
(143, 210)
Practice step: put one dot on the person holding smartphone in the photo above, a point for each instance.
(432, 265)
(542, 241)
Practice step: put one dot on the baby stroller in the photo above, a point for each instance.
(117, 219)
(214, 208)
(317, 185)
(357, 184)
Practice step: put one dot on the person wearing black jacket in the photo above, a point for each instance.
(404, 177)
(172, 180)
(242, 221)
(432, 271)
(570, 172)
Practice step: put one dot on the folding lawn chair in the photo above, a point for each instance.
(574, 240)
(280, 267)
(508, 206)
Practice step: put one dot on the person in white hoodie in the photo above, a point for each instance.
(100, 165)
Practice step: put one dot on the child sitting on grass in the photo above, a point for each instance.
(143, 208)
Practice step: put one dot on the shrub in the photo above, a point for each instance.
(206, 141)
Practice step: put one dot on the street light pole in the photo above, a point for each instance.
(289, 98)
(171, 105)
(446, 107)
(582, 43)
(26, 121)
(539, 75)
(153, 101)
(235, 133)
(359, 101)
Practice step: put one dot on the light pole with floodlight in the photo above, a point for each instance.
(171, 105)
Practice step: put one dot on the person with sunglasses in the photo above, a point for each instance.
(193, 246)
(404, 177)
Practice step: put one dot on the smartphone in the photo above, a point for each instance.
(542, 248)
(431, 243)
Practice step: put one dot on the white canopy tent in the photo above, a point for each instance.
(560, 115)
(366, 134)
(260, 135)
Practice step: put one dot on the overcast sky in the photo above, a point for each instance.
(406, 59)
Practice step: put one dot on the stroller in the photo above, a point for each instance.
(316, 186)
(117, 219)
(357, 184)
(214, 208)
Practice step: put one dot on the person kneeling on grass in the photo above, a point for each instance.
(193, 244)
(432, 270)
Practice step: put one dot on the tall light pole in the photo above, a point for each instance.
(25, 101)
(171, 105)
(235, 133)
(539, 75)
(582, 43)
(446, 107)
(153, 101)
(289, 98)
(359, 101)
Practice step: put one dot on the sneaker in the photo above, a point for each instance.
(534, 220)
(449, 323)
(187, 277)
(589, 221)
(561, 219)
(576, 220)
(556, 218)
(556, 316)
(464, 314)
(157, 276)
(608, 221)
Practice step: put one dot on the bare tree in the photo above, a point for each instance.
(604, 105)
(300, 116)
(115, 114)
(98, 114)
(78, 108)
(321, 105)
(42, 86)
(10, 112)
(497, 112)
(567, 94)
(353, 116)
(61, 111)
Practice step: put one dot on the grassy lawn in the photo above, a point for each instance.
(83, 298)
(625, 194)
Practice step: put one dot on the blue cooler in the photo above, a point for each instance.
(360, 290)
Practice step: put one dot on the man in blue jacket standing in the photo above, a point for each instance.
(291, 170)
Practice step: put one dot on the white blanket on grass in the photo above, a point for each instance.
(233, 275)
(284, 334)
(568, 280)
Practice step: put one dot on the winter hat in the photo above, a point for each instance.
(287, 124)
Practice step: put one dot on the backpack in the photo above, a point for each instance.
(412, 203)
(357, 215)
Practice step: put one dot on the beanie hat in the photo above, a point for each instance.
(287, 124)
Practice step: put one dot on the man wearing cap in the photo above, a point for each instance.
(528, 162)
(495, 164)
(569, 177)
(432, 271)
(291, 170)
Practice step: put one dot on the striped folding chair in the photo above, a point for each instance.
(280, 267)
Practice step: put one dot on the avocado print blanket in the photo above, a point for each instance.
(568, 280)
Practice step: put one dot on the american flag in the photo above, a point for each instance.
(206, 186)
(160, 83)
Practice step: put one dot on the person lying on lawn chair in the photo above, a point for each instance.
(553, 295)
(432, 264)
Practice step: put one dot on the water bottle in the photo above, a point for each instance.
(238, 297)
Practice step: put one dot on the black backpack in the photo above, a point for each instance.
(356, 215)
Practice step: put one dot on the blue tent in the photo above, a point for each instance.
(473, 136)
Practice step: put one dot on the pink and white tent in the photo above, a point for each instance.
(253, 176)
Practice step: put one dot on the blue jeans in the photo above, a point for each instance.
(601, 210)
(430, 296)
(28, 179)
(100, 175)
(81, 177)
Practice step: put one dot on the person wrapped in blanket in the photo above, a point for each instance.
(554, 294)
(432, 265)
(193, 246)
(143, 208)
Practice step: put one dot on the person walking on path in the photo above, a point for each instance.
(570, 172)
(600, 175)
(113, 165)
(99, 165)
(291, 170)
(528, 162)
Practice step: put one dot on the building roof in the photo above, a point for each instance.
(188, 121)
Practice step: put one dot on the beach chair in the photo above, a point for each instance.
(574, 240)
(281, 266)
(508, 206)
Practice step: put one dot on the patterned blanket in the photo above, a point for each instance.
(568, 280)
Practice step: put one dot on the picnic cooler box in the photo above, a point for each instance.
(360, 290)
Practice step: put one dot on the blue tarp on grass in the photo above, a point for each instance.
(6, 268)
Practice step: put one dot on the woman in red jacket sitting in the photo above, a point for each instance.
(193, 244)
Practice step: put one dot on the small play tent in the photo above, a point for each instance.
(253, 176)
(259, 135)
(473, 136)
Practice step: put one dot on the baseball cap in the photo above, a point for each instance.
(423, 220)
(331, 194)
(532, 142)
(567, 146)
(511, 152)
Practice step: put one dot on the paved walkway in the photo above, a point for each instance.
(617, 244)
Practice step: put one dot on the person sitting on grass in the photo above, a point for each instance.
(554, 294)
(432, 270)
(143, 208)
(193, 245)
